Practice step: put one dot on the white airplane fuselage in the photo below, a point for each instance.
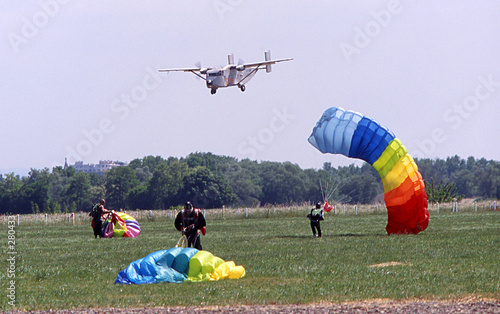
(228, 76)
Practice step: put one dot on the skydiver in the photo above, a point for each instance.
(315, 216)
(97, 212)
(190, 221)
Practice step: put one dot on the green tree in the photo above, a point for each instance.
(443, 192)
(164, 186)
(10, 190)
(79, 196)
(205, 189)
(119, 182)
(35, 190)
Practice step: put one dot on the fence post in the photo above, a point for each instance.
(18, 219)
(246, 212)
(437, 207)
(73, 214)
(356, 209)
(45, 218)
(222, 211)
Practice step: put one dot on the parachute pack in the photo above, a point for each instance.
(95, 211)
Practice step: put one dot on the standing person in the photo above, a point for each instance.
(190, 221)
(315, 216)
(97, 212)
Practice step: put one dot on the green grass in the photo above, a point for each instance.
(60, 266)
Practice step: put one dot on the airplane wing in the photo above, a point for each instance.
(181, 69)
(257, 64)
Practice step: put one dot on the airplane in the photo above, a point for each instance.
(232, 74)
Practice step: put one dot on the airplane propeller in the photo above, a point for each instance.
(202, 70)
(240, 66)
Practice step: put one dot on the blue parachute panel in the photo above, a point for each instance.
(369, 140)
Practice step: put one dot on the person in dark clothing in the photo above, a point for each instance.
(190, 221)
(315, 216)
(97, 212)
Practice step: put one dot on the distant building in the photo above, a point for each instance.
(100, 168)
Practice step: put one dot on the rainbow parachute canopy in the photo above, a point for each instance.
(179, 265)
(119, 224)
(356, 136)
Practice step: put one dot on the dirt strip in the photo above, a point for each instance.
(490, 306)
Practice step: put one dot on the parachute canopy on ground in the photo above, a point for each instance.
(356, 136)
(119, 224)
(179, 265)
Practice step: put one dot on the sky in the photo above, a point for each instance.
(79, 79)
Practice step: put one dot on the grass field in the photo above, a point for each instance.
(61, 266)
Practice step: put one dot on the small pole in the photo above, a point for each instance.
(150, 213)
(356, 209)
(335, 209)
(343, 210)
(18, 219)
(475, 206)
(46, 220)
(223, 211)
(437, 207)
(73, 216)
(246, 212)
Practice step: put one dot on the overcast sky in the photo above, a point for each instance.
(78, 79)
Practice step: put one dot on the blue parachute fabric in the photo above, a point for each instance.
(369, 140)
(334, 131)
(181, 261)
(159, 266)
(351, 134)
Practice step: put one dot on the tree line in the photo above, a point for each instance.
(211, 181)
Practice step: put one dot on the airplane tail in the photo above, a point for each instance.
(267, 55)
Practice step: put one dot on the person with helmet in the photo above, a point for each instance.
(190, 221)
(315, 216)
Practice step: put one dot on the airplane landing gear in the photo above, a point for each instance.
(213, 91)
(242, 87)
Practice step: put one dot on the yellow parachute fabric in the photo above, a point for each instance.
(228, 270)
(204, 266)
